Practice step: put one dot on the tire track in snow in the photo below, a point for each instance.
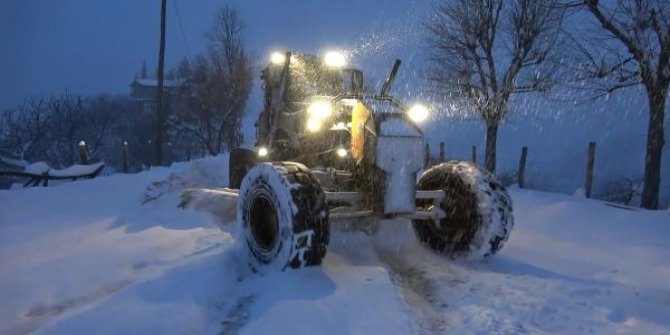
(418, 291)
(238, 316)
(40, 315)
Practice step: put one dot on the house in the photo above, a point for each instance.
(143, 91)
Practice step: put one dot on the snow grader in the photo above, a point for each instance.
(327, 149)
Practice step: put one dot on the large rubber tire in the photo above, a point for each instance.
(282, 218)
(478, 212)
(240, 161)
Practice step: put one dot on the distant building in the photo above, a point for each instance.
(143, 91)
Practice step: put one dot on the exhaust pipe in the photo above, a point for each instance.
(389, 81)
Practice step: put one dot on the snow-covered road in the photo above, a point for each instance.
(90, 257)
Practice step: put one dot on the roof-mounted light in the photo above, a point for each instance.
(277, 58)
(335, 59)
(418, 113)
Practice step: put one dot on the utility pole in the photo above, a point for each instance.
(159, 130)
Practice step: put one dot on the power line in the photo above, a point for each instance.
(181, 28)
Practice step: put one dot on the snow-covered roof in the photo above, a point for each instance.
(37, 168)
(75, 170)
(13, 161)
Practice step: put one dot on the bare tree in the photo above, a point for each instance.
(215, 88)
(23, 129)
(66, 122)
(98, 125)
(49, 130)
(488, 50)
(632, 47)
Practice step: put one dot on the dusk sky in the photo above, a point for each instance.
(90, 47)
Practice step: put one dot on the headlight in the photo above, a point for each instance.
(277, 58)
(320, 109)
(418, 113)
(335, 59)
(313, 125)
(342, 152)
(262, 152)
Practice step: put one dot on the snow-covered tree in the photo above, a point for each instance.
(631, 47)
(49, 129)
(22, 129)
(488, 50)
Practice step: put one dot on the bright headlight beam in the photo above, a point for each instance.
(277, 58)
(342, 152)
(418, 113)
(320, 109)
(262, 152)
(335, 59)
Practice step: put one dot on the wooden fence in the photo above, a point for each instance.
(521, 172)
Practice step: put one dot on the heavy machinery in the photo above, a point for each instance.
(328, 149)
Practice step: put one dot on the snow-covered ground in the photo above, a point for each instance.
(117, 255)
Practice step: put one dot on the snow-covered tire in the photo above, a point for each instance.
(282, 218)
(239, 162)
(478, 212)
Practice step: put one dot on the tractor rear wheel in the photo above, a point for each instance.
(239, 162)
(478, 212)
(282, 218)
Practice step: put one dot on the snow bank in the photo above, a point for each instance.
(203, 173)
(579, 193)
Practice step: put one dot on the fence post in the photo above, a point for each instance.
(147, 155)
(125, 156)
(474, 154)
(168, 155)
(522, 167)
(83, 155)
(427, 160)
(590, 163)
(441, 152)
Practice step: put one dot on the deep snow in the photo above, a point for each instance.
(117, 255)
